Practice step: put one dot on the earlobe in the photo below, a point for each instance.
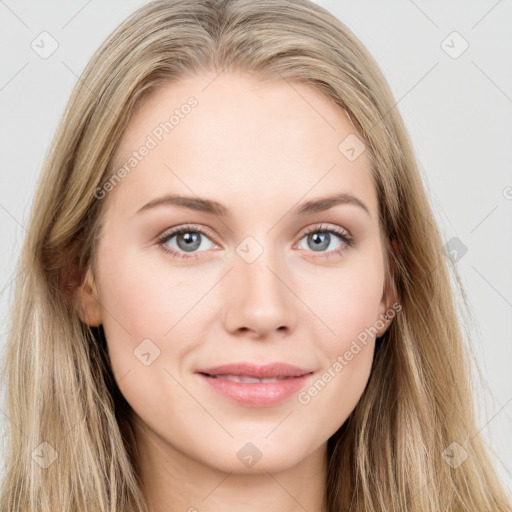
(386, 317)
(87, 301)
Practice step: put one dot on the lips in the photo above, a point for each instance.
(251, 370)
(253, 385)
(246, 379)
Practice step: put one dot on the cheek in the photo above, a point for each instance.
(142, 298)
(349, 304)
(349, 301)
(350, 309)
(151, 319)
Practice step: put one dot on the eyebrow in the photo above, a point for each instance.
(215, 208)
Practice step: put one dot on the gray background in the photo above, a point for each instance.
(458, 109)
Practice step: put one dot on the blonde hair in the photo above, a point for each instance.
(388, 455)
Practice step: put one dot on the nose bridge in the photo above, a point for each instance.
(259, 299)
(259, 277)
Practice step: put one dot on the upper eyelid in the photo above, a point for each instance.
(325, 227)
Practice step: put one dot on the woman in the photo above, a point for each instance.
(234, 295)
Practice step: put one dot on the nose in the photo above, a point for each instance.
(259, 298)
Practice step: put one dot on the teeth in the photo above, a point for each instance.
(245, 379)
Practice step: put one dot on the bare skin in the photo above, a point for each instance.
(261, 150)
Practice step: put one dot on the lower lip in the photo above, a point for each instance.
(258, 394)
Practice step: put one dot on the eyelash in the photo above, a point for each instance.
(317, 228)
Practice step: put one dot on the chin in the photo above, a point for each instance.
(256, 456)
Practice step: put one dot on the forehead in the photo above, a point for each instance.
(242, 137)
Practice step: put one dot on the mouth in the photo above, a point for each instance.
(252, 385)
(276, 370)
(246, 379)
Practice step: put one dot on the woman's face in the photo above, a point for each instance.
(252, 282)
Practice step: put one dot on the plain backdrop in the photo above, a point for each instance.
(449, 65)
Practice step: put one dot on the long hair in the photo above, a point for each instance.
(71, 444)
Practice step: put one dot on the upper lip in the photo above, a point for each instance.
(267, 371)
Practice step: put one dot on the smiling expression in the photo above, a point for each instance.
(279, 259)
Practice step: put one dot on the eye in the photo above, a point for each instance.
(189, 242)
(320, 237)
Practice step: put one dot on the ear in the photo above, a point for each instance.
(389, 295)
(87, 301)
